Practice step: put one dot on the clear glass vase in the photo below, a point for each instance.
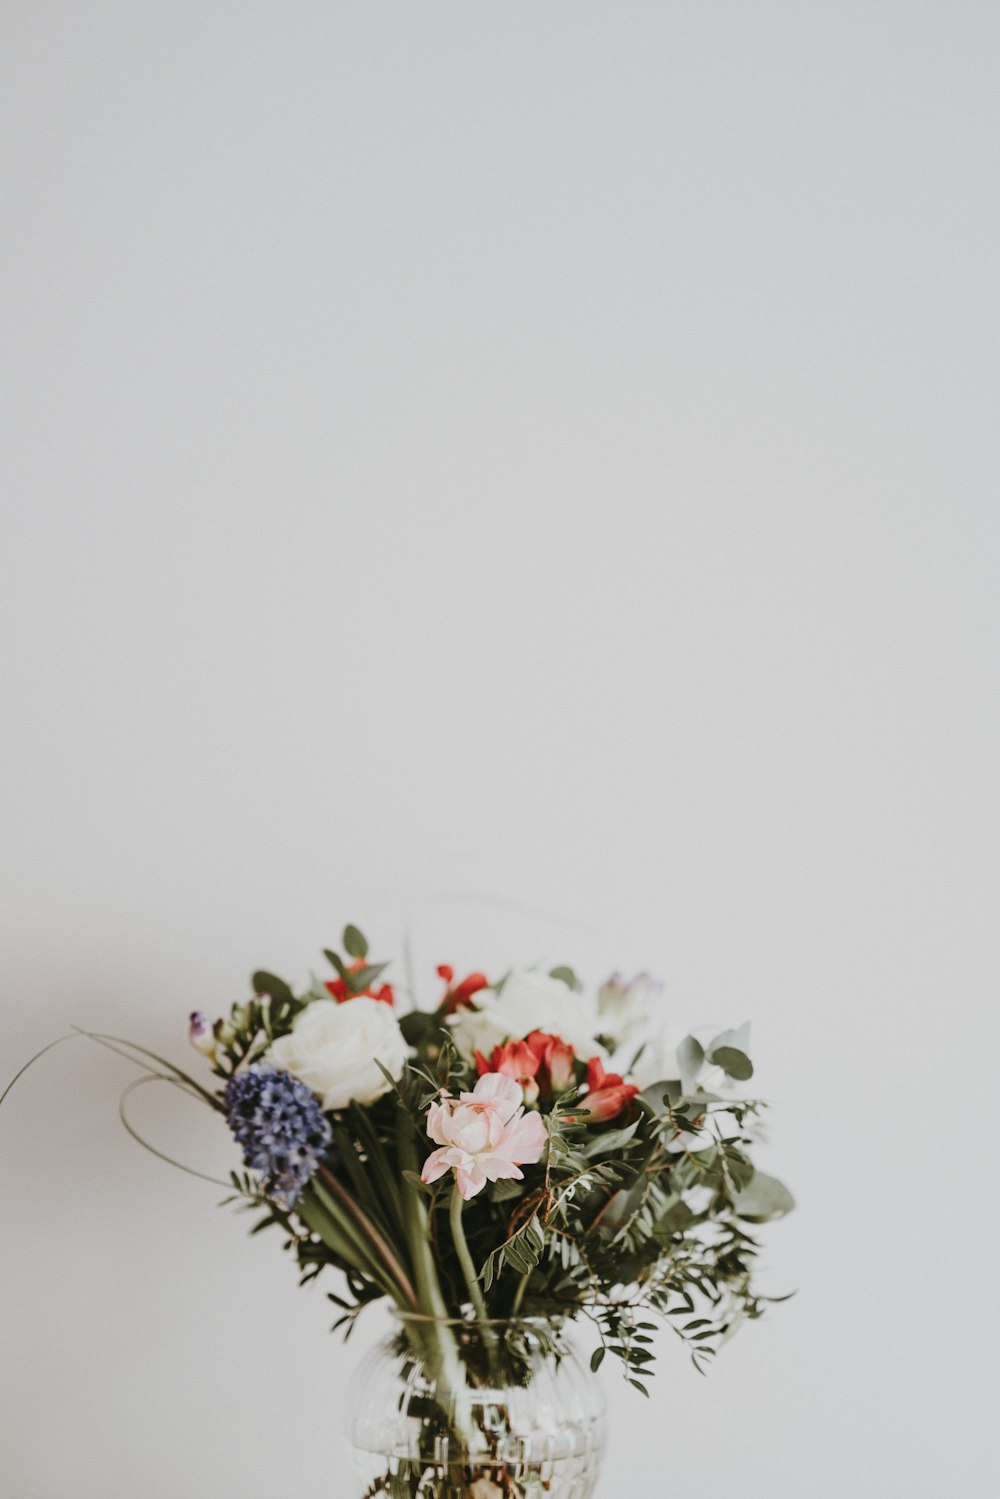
(448, 1409)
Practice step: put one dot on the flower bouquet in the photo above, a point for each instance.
(519, 1156)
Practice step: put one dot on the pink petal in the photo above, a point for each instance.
(497, 1166)
(437, 1163)
(498, 1087)
(525, 1140)
(437, 1120)
(471, 1182)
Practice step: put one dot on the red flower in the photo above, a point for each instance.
(607, 1093)
(541, 1063)
(557, 1057)
(456, 995)
(517, 1060)
(339, 990)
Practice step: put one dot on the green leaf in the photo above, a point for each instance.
(417, 1025)
(765, 1198)
(337, 962)
(659, 1096)
(597, 1359)
(690, 1055)
(736, 1064)
(615, 1139)
(364, 977)
(567, 976)
(269, 983)
(672, 1222)
(354, 943)
(504, 1189)
(416, 1180)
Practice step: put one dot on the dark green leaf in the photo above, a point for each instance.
(354, 943)
(676, 1218)
(736, 1064)
(269, 983)
(337, 962)
(417, 1026)
(597, 1358)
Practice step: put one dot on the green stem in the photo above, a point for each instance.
(378, 1243)
(469, 1269)
(522, 1286)
(434, 1341)
(429, 1294)
(319, 1211)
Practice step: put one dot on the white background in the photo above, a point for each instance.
(532, 454)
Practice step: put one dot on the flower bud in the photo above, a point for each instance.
(201, 1034)
(224, 1032)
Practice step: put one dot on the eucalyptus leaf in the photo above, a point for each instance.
(337, 961)
(690, 1056)
(661, 1095)
(269, 983)
(354, 943)
(676, 1218)
(736, 1064)
(363, 978)
(765, 1198)
(615, 1139)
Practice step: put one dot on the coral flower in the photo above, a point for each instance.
(457, 995)
(340, 992)
(517, 1059)
(607, 1093)
(541, 1063)
(484, 1135)
(557, 1057)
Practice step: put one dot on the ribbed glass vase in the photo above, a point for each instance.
(449, 1409)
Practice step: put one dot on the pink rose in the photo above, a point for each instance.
(484, 1135)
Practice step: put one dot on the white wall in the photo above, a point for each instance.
(537, 453)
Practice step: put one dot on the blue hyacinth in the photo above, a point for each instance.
(281, 1127)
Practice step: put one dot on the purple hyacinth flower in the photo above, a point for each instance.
(283, 1131)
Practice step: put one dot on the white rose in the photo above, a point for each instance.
(333, 1049)
(527, 1002)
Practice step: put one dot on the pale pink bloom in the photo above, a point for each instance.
(483, 1135)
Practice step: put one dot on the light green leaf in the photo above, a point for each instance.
(690, 1056)
(765, 1198)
